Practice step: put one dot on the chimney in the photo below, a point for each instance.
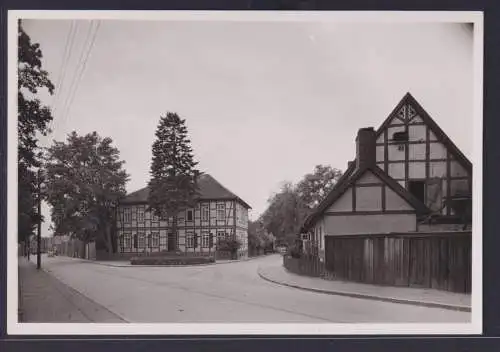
(365, 147)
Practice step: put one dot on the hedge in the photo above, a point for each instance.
(171, 260)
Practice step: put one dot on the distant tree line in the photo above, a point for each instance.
(289, 207)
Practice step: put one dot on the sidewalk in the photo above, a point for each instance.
(44, 299)
(405, 295)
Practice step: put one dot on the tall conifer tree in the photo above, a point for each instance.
(173, 185)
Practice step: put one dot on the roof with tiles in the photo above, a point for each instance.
(209, 189)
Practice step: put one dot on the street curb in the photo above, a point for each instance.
(371, 297)
(173, 266)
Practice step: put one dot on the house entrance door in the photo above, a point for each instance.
(172, 242)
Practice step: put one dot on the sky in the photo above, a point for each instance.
(264, 102)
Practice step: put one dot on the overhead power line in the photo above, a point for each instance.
(80, 68)
(68, 47)
(66, 56)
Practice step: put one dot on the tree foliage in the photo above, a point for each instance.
(173, 185)
(33, 119)
(85, 182)
(289, 207)
(285, 213)
(228, 244)
(258, 237)
(315, 186)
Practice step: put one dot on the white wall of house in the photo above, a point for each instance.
(339, 225)
(369, 206)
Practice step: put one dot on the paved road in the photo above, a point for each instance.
(224, 293)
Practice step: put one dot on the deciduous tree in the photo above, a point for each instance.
(85, 182)
(315, 186)
(33, 119)
(258, 237)
(288, 208)
(285, 213)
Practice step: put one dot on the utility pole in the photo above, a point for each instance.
(39, 232)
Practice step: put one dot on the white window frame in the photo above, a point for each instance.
(127, 215)
(141, 239)
(190, 211)
(140, 215)
(163, 240)
(155, 239)
(190, 240)
(221, 210)
(205, 213)
(205, 240)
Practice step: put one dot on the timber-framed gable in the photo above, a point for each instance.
(403, 175)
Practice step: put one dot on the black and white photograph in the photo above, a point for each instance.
(244, 172)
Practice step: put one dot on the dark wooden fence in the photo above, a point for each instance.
(427, 260)
(76, 248)
(305, 265)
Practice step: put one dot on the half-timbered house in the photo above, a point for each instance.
(408, 176)
(218, 214)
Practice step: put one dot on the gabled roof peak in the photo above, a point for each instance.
(352, 175)
(434, 127)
